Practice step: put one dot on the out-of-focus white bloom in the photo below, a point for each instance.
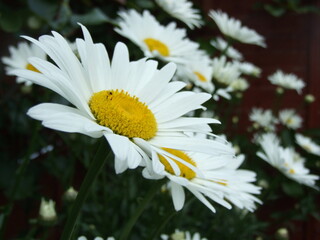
(47, 211)
(18, 59)
(180, 235)
(198, 71)
(290, 119)
(309, 98)
(233, 28)
(288, 81)
(307, 144)
(165, 42)
(239, 84)
(263, 118)
(218, 178)
(282, 233)
(286, 160)
(249, 69)
(230, 51)
(96, 238)
(182, 10)
(225, 72)
(222, 92)
(70, 194)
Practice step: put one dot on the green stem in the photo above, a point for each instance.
(164, 222)
(151, 193)
(93, 171)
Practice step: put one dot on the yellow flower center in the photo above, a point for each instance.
(185, 171)
(32, 68)
(200, 77)
(123, 114)
(291, 171)
(156, 45)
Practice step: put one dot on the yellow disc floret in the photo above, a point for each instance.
(32, 68)
(200, 77)
(156, 45)
(185, 171)
(123, 114)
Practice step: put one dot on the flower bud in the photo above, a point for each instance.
(309, 98)
(279, 90)
(71, 194)
(47, 211)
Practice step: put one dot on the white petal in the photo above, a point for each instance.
(178, 196)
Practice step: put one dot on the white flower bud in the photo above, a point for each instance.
(47, 211)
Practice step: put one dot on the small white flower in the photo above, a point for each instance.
(233, 28)
(182, 10)
(165, 42)
(180, 235)
(249, 69)
(286, 160)
(290, 119)
(47, 210)
(307, 144)
(225, 72)
(18, 59)
(230, 51)
(288, 81)
(263, 118)
(239, 84)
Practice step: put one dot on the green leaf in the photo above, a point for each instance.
(94, 17)
(274, 10)
(45, 9)
(11, 21)
(292, 189)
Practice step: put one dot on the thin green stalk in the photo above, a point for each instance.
(93, 171)
(164, 221)
(133, 219)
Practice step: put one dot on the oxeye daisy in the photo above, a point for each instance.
(182, 10)
(18, 59)
(126, 102)
(180, 235)
(286, 160)
(218, 177)
(233, 28)
(307, 144)
(223, 46)
(290, 119)
(263, 118)
(288, 81)
(165, 42)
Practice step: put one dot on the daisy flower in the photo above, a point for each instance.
(290, 119)
(218, 179)
(18, 59)
(199, 71)
(165, 42)
(263, 118)
(233, 28)
(307, 144)
(225, 72)
(239, 84)
(288, 81)
(230, 51)
(126, 102)
(180, 235)
(182, 10)
(248, 69)
(286, 160)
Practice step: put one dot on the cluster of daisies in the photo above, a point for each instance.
(144, 112)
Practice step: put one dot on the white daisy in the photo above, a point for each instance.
(288, 81)
(286, 160)
(180, 235)
(290, 119)
(218, 179)
(199, 71)
(233, 28)
(182, 10)
(223, 46)
(263, 118)
(248, 69)
(307, 144)
(18, 59)
(126, 102)
(239, 84)
(165, 42)
(225, 72)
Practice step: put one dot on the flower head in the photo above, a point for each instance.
(19, 59)
(182, 10)
(263, 118)
(47, 211)
(286, 160)
(307, 144)
(129, 103)
(223, 46)
(290, 119)
(288, 81)
(165, 42)
(233, 28)
(180, 235)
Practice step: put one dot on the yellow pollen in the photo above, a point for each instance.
(156, 45)
(222, 182)
(200, 77)
(32, 68)
(123, 114)
(291, 171)
(185, 171)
